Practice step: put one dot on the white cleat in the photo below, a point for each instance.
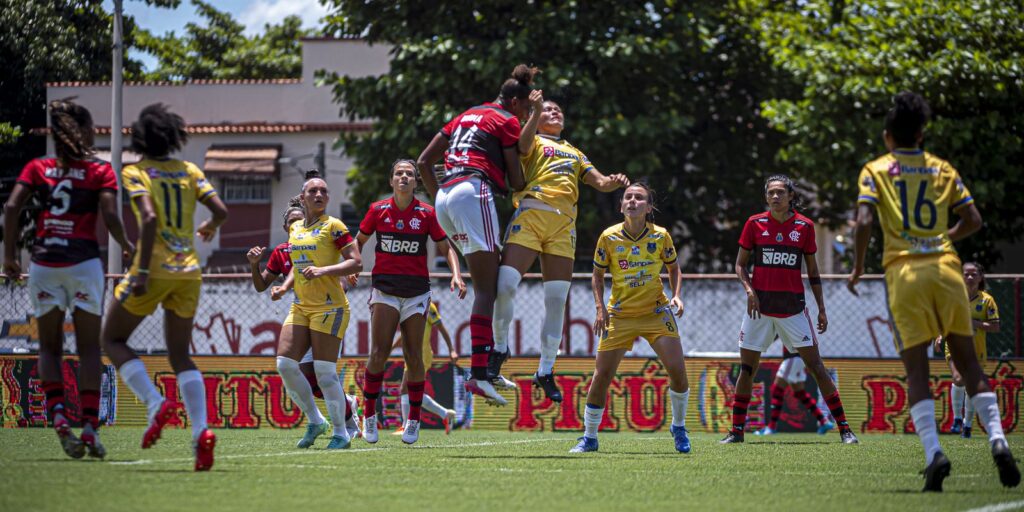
(370, 429)
(502, 383)
(486, 390)
(411, 431)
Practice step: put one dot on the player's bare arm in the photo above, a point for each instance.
(597, 285)
(352, 264)
(108, 210)
(861, 238)
(603, 183)
(969, 223)
(208, 228)
(277, 292)
(453, 263)
(675, 277)
(12, 210)
(814, 277)
(513, 168)
(425, 163)
(452, 353)
(753, 305)
(529, 131)
(147, 237)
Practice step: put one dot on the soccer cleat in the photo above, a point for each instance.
(159, 421)
(824, 428)
(847, 437)
(411, 432)
(966, 434)
(339, 443)
(500, 382)
(447, 420)
(72, 445)
(682, 441)
(547, 383)
(1009, 474)
(958, 426)
(352, 426)
(732, 437)
(767, 431)
(204, 450)
(370, 429)
(935, 473)
(312, 432)
(486, 390)
(399, 431)
(91, 440)
(586, 444)
(494, 361)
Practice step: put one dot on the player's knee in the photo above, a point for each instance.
(287, 365)
(508, 281)
(326, 373)
(746, 369)
(181, 362)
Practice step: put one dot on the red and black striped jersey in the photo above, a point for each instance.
(280, 261)
(778, 249)
(400, 268)
(476, 139)
(66, 226)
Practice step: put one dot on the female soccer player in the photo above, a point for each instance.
(777, 239)
(635, 251)
(65, 272)
(544, 224)
(480, 148)
(164, 192)
(401, 290)
(984, 319)
(914, 191)
(319, 316)
(792, 374)
(447, 415)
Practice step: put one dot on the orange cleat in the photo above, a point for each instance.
(163, 416)
(204, 450)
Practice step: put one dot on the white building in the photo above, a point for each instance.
(253, 138)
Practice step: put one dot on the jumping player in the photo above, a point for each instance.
(984, 319)
(544, 224)
(913, 192)
(164, 192)
(480, 149)
(401, 291)
(65, 272)
(777, 239)
(635, 251)
(792, 374)
(447, 415)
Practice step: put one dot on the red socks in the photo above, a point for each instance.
(811, 405)
(835, 406)
(778, 393)
(415, 399)
(371, 391)
(482, 335)
(54, 392)
(739, 412)
(90, 407)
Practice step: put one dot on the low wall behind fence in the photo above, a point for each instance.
(233, 319)
(246, 392)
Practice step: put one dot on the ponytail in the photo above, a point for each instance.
(72, 127)
(519, 85)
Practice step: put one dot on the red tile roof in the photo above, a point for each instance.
(206, 81)
(248, 127)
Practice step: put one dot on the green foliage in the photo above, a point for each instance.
(9, 134)
(659, 90)
(222, 50)
(964, 57)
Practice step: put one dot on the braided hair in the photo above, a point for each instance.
(71, 125)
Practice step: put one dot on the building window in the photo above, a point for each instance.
(250, 189)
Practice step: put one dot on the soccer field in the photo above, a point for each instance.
(474, 470)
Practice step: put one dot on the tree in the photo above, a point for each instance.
(221, 49)
(963, 56)
(659, 90)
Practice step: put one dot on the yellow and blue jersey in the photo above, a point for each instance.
(319, 244)
(553, 169)
(635, 265)
(985, 309)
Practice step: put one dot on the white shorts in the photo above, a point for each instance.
(77, 286)
(406, 306)
(792, 370)
(466, 212)
(795, 331)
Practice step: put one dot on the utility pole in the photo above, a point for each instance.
(114, 250)
(321, 159)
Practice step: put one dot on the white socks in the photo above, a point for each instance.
(334, 397)
(957, 395)
(430, 405)
(555, 293)
(679, 402)
(405, 407)
(193, 394)
(592, 420)
(968, 412)
(504, 305)
(134, 375)
(923, 414)
(298, 389)
(988, 413)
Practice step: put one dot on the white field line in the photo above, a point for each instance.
(999, 507)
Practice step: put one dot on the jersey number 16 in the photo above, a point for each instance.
(920, 203)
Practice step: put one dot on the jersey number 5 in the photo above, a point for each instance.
(921, 203)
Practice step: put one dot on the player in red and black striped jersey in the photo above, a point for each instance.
(779, 240)
(401, 290)
(65, 272)
(481, 156)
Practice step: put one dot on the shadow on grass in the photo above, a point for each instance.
(513, 457)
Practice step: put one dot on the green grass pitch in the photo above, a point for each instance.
(500, 471)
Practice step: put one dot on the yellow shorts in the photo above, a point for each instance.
(328, 320)
(428, 352)
(178, 295)
(623, 330)
(927, 298)
(543, 231)
(979, 350)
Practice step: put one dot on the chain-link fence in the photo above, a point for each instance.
(233, 319)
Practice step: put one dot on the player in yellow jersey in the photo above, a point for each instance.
(433, 321)
(544, 224)
(165, 271)
(913, 192)
(635, 252)
(319, 315)
(985, 319)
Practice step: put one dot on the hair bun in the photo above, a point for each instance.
(524, 74)
(312, 174)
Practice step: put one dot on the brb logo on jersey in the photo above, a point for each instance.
(398, 245)
(775, 258)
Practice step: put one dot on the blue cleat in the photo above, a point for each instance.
(767, 431)
(958, 426)
(679, 435)
(966, 434)
(825, 427)
(312, 432)
(586, 444)
(338, 443)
